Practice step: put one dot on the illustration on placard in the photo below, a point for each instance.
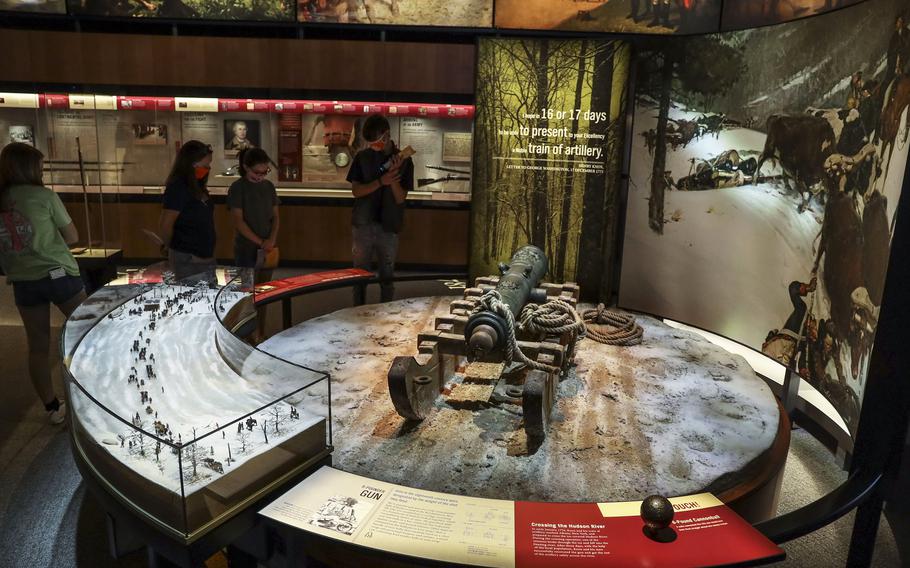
(341, 514)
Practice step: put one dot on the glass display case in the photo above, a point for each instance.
(128, 143)
(176, 416)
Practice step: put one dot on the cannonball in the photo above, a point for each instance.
(656, 512)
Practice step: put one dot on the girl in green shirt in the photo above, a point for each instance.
(35, 234)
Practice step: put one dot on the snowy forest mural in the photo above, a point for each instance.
(766, 166)
(548, 137)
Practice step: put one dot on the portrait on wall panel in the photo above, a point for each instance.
(626, 16)
(240, 135)
(457, 13)
(237, 10)
(149, 134)
(742, 14)
(23, 133)
(762, 199)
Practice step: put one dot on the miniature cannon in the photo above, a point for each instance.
(481, 340)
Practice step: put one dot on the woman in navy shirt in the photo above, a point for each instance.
(187, 223)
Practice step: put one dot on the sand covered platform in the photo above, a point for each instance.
(674, 415)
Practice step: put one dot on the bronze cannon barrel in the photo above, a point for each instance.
(487, 330)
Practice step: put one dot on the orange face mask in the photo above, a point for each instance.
(202, 171)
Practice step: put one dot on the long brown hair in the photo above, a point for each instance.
(184, 170)
(20, 164)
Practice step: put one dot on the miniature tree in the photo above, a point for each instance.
(265, 427)
(243, 436)
(277, 415)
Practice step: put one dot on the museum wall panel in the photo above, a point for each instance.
(547, 149)
(766, 168)
(47, 57)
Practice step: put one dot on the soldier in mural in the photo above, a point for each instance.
(828, 132)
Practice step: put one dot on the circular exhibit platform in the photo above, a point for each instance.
(674, 415)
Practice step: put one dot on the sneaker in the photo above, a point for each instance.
(58, 416)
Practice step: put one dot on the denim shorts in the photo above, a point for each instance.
(32, 293)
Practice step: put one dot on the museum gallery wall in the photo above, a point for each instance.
(766, 168)
(547, 154)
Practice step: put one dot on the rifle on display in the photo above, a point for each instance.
(448, 177)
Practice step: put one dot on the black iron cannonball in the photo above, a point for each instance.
(656, 512)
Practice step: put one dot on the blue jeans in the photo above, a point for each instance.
(370, 241)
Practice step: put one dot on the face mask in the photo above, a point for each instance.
(202, 171)
(378, 146)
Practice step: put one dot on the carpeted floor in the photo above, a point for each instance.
(47, 520)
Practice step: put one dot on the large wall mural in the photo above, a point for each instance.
(628, 16)
(265, 10)
(548, 137)
(461, 13)
(741, 14)
(765, 170)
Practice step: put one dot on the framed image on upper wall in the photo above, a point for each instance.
(236, 10)
(34, 6)
(762, 202)
(626, 16)
(455, 13)
(742, 14)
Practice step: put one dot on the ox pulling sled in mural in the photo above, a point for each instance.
(517, 336)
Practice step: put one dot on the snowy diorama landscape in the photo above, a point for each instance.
(154, 362)
(674, 415)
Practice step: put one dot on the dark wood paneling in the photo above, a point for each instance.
(120, 59)
(309, 233)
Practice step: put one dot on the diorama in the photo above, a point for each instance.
(165, 426)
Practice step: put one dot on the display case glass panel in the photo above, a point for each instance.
(179, 418)
(128, 144)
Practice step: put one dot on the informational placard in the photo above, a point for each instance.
(397, 519)
(547, 146)
(510, 534)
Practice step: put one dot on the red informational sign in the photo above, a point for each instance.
(145, 103)
(705, 532)
(264, 292)
(278, 106)
(54, 101)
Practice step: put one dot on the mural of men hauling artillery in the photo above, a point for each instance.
(765, 172)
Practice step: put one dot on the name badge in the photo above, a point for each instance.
(57, 273)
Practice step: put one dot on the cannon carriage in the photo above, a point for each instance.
(511, 337)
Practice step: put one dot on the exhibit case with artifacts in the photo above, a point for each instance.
(173, 415)
(129, 142)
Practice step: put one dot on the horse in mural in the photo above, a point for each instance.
(894, 124)
(855, 253)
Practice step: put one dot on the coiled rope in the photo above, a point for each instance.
(556, 316)
(621, 328)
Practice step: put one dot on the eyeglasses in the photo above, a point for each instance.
(261, 172)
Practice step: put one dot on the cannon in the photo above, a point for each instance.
(490, 342)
